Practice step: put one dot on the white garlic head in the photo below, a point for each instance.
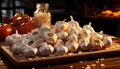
(71, 45)
(97, 35)
(61, 25)
(107, 41)
(44, 28)
(50, 37)
(61, 49)
(73, 30)
(9, 39)
(36, 34)
(85, 33)
(17, 48)
(73, 37)
(62, 35)
(58, 43)
(89, 27)
(84, 44)
(46, 50)
(74, 23)
(30, 51)
(96, 44)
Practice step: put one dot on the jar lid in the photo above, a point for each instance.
(42, 6)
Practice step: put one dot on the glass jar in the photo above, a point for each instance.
(42, 15)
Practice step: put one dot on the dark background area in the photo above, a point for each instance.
(82, 11)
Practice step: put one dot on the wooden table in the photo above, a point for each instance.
(102, 63)
(112, 62)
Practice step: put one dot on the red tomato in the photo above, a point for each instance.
(5, 30)
(25, 28)
(15, 17)
(14, 27)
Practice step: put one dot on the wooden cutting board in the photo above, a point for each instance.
(20, 61)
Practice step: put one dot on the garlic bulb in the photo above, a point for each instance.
(61, 49)
(53, 30)
(28, 36)
(9, 39)
(17, 48)
(62, 35)
(30, 51)
(107, 41)
(74, 24)
(37, 43)
(96, 44)
(73, 37)
(44, 28)
(14, 38)
(46, 50)
(36, 34)
(27, 42)
(84, 44)
(73, 30)
(96, 35)
(71, 45)
(50, 37)
(58, 43)
(85, 33)
(88, 27)
(61, 25)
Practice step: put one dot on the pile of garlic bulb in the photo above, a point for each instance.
(61, 38)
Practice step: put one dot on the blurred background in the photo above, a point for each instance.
(83, 11)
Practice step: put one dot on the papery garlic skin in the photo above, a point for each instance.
(14, 38)
(107, 41)
(36, 34)
(89, 27)
(58, 43)
(61, 49)
(97, 36)
(44, 28)
(84, 44)
(17, 48)
(30, 51)
(96, 44)
(46, 50)
(71, 45)
(50, 37)
(9, 39)
(85, 33)
(62, 35)
(74, 24)
(61, 26)
(38, 43)
(73, 30)
(73, 37)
